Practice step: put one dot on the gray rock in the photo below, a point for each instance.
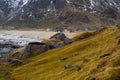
(77, 68)
(34, 48)
(53, 45)
(60, 36)
(104, 55)
(7, 47)
(68, 41)
(67, 66)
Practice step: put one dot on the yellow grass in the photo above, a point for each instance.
(47, 66)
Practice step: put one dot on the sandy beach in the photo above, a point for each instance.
(36, 34)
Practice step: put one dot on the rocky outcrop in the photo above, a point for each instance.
(58, 40)
(34, 48)
(7, 47)
(53, 45)
(62, 37)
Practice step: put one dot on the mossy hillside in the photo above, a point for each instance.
(48, 66)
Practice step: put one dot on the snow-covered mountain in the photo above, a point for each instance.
(42, 9)
(10, 8)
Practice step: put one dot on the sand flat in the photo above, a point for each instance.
(35, 34)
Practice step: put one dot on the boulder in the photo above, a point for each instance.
(53, 45)
(68, 41)
(77, 68)
(37, 47)
(7, 47)
(67, 66)
(60, 36)
(34, 48)
(104, 55)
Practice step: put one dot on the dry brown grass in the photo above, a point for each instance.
(47, 66)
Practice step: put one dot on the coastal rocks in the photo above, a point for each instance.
(34, 48)
(37, 47)
(68, 41)
(53, 45)
(9, 42)
(62, 37)
(7, 47)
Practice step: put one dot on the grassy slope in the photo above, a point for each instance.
(47, 66)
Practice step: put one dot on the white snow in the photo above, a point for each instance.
(92, 3)
(15, 5)
(68, 1)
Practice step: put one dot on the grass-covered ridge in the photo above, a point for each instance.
(48, 66)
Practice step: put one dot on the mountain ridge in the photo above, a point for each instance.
(62, 11)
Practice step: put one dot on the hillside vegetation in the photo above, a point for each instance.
(96, 57)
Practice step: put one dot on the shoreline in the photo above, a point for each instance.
(40, 34)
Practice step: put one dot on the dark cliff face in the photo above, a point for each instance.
(4, 8)
(62, 11)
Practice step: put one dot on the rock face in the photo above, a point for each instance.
(62, 37)
(53, 45)
(6, 48)
(68, 41)
(11, 42)
(34, 48)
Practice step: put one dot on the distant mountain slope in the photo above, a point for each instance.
(94, 58)
(62, 12)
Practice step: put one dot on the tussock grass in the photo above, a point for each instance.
(47, 66)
